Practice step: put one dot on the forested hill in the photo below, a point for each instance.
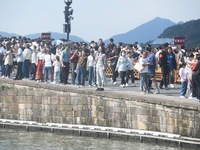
(190, 29)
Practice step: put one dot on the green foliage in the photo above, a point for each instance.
(191, 30)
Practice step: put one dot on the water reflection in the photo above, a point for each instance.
(22, 140)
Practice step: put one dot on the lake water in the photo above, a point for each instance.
(11, 139)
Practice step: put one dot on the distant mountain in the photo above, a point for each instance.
(54, 35)
(6, 34)
(145, 32)
(190, 29)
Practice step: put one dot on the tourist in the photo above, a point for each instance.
(81, 69)
(122, 67)
(90, 67)
(65, 58)
(151, 58)
(8, 62)
(57, 66)
(20, 60)
(40, 66)
(184, 79)
(163, 62)
(130, 71)
(47, 66)
(27, 58)
(144, 80)
(2, 51)
(113, 57)
(33, 62)
(196, 80)
(172, 66)
(73, 60)
(101, 65)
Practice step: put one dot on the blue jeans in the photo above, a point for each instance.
(57, 76)
(144, 82)
(91, 74)
(48, 71)
(26, 66)
(183, 88)
(81, 73)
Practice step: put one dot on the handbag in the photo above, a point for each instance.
(138, 67)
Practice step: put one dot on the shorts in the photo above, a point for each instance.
(151, 76)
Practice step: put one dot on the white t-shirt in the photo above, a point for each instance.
(130, 61)
(57, 66)
(47, 61)
(90, 61)
(144, 61)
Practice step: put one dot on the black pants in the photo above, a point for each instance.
(165, 74)
(19, 70)
(114, 73)
(130, 73)
(33, 71)
(65, 73)
(196, 84)
(122, 76)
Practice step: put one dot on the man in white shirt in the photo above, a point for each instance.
(27, 58)
(20, 60)
(33, 62)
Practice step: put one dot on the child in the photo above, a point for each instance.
(184, 79)
(57, 66)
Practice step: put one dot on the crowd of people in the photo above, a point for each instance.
(48, 62)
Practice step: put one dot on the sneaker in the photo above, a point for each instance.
(121, 85)
(190, 97)
(3, 77)
(182, 96)
(38, 81)
(45, 82)
(149, 92)
(54, 82)
(126, 84)
(133, 85)
(115, 83)
(98, 89)
(101, 89)
(89, 85)
(172, 86)
(157, 92)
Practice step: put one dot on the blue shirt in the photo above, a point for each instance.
(66, 55)
(170, 59)
(152, 59)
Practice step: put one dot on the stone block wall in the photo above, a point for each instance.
(71, 106)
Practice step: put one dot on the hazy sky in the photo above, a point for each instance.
(93, 19)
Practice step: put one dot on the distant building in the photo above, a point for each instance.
(161, 41)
